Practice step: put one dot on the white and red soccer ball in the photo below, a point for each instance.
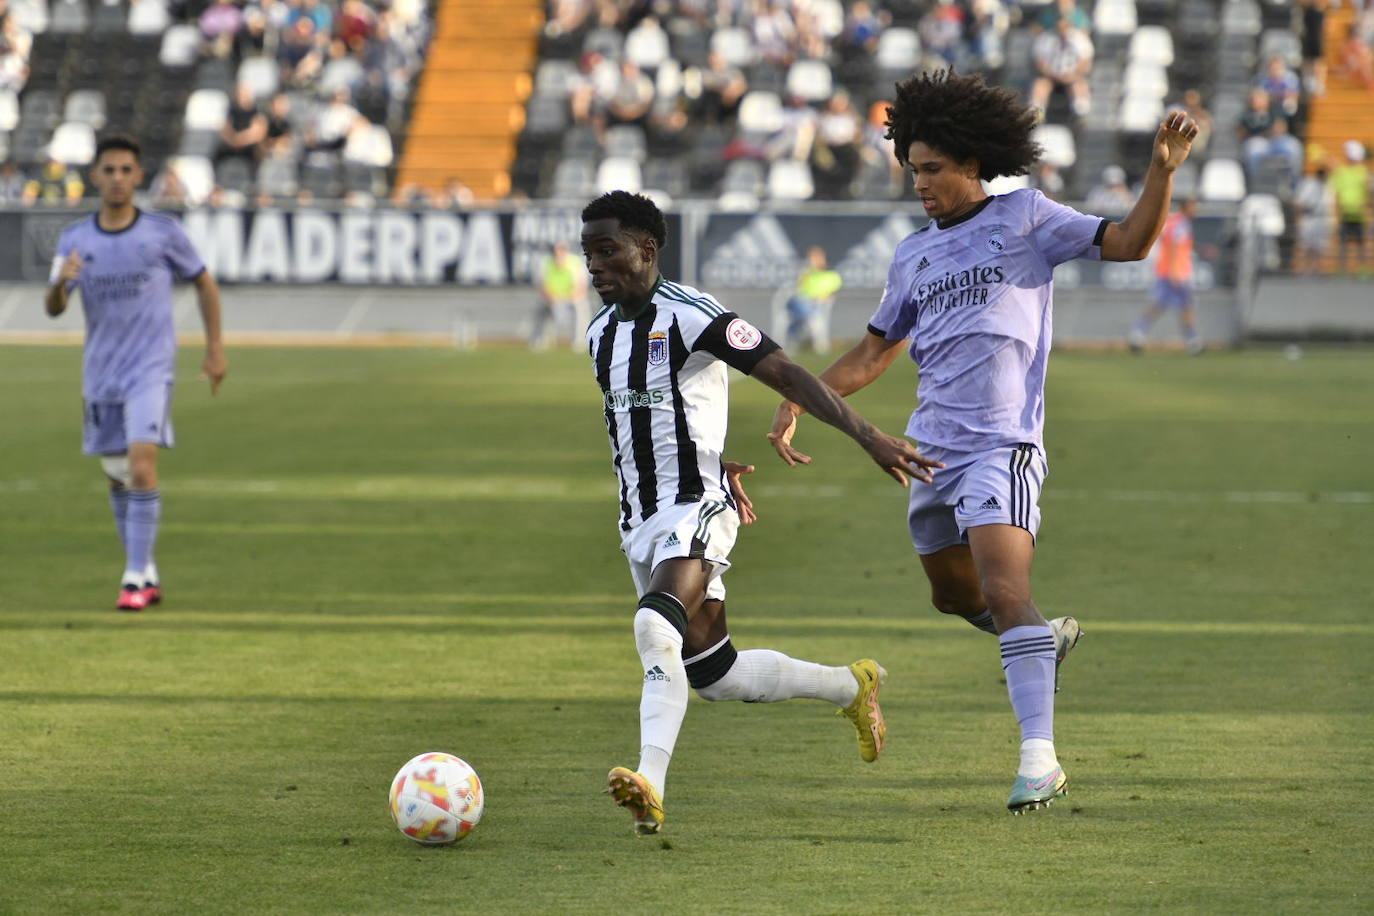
(436, 799)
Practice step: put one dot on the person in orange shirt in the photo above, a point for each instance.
(1173, 280)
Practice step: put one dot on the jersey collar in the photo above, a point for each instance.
(620, 309)
(977, 208)
(95, 218)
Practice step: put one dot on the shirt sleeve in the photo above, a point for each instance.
(895, 317)
(736, 342)
(181, 254)
(1061, 233)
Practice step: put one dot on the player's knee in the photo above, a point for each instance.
(706, 673)
(957, 603)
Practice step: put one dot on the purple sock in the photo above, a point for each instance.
(1028, 659)
(140, 528)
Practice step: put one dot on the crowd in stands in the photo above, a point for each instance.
(302, 100)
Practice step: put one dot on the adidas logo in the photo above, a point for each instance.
(865, 264)
(922, 264)
(990, 503)
(656, 674)
(672, 540)
(759, 253)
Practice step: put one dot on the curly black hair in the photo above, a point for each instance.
(966, 119)
(635, 212)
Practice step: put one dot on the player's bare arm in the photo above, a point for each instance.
(896, 456)
(1133, 237)
(59, 293)
(215, 365)
(856, 369)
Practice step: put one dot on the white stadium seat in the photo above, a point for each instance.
(1057, 140)
(1152, 44)
(898, 49)
(810, 80)
(148, 17)
(760, 112)
(619, 173)
(1114, 17)
(789, 179)
(1145, 79)
(735, 45)
(197, 177)
(180, 46)
(1140, 113)
(207, 109)
(1264, 212)
(9, 109)
(73, 143)
(1222, 179)
(259, 74)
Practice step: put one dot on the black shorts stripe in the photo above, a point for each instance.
(1020, 485)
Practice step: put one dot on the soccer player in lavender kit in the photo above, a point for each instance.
(970, 294)
(125, 262)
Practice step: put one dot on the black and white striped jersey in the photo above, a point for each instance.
(665, 392)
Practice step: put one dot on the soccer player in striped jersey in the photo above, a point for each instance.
(970, 295)
(125, 262)
(660, 352)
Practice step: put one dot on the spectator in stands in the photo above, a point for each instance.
(775, 33)
(633, 96)
(1112, 198)
(12, 183)
(1350, 184)
(279, 131)
(219, 25)
(1315, 205)
(1052, 15)
(252, 39)
(1191, 105)
(722, 88)
(1283, 86)
(1313, 15)
(167, 191)
(1263, 134)
(1063, 58)
(835, 148)
(988, 26)
(386, 65)
(877, 150)
(794, 137)
(15, 45)
(328, 131)
(1357, 60)
(592, 86)
(298, 54)
(244, 129)
(863, 26)
(55, 185)
(567, 16)
(356, 24)
(319, 14)
(942, 33)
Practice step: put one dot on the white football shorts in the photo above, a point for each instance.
(1000, 486)
(703, 530)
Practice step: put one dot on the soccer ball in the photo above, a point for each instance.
(436, 799)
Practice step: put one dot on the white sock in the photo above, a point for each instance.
(150, 574)
(1037, 757)
(663, 702)
(766, 676)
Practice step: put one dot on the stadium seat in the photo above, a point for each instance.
(148, 17)
(321, 177)
(1152, 44)
(342, 73)
(109, 16)
(4, 145)
(180, 46)
(1240, 17)
(647, 44)
(668, 81)
(1282, 43)
(688, 44)
(546, 116)
(277, 176)
(1004, 184)
(619, 173)
(737, 202)
(553, 78)
(68, 17)
(27, 144)
(1146, 79)
(607, 42)
(38, 109)
(234, 174)
(626, 141)
(1186, 181)
(744, 175)
(789, 179)
(31, 15)
(9, 110)
(1057, 141)
(573, 178)
(198, 142)
(86, 106)
(1264, 212)
(581, 140)
(735, 45)
(1114, 17)
(1222, 180)
(666, 174)
(1140, 113)
(899, 49)
(828, 17)
(206, 109)
(760, 113)
(73, 143)
(810, 80)
(259, 74)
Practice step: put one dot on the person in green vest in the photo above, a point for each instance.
(808, 311)
(1350, 185)
(562, 285)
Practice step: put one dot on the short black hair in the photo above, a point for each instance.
(118, 141)
(635, 212)
(964, 118)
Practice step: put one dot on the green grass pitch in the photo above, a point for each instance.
(373, 553)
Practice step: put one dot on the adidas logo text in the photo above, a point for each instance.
(923, 263)
(672, 540)
(656, 674)
(990, 503)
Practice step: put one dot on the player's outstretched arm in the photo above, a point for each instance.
(216, 364)
(896, 456)
(1133, 237)
(856, 369)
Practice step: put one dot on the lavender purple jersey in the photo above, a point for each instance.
(975, 298)
(126, 294)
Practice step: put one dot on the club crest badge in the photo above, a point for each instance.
(997, 240)
(658, 348)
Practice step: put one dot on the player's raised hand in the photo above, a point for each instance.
(899, 458)
(784, 427)
(733, 472)
(1174, 140)
(71, 267)
(214, 367)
